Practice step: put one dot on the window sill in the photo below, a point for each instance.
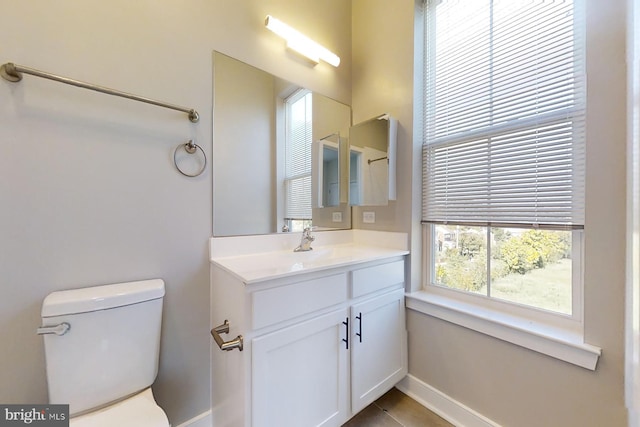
(552, 341)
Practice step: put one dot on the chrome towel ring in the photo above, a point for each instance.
(190, 148)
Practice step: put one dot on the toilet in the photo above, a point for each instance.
(102, 346)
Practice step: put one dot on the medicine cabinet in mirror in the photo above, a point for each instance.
(280, 154)
(372, 161)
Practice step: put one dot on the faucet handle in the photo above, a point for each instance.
(305, 241)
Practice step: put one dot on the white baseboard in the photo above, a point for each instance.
(448, 408)
(202, 420)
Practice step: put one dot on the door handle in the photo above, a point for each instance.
(346, 340)
(359, 333)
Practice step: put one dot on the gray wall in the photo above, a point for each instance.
(88, 191)
(506, 383)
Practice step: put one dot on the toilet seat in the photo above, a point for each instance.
(140, 410)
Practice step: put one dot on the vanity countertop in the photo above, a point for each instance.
(256, 267)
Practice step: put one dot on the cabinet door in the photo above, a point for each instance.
(379, 347)
(299, 374)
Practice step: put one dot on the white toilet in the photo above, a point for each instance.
(102, 346)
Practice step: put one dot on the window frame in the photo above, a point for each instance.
(572, 322)
(551, 334)
(555, 334)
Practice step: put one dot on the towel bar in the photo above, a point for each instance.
(13, 73)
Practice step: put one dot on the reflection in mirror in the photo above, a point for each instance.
(267, 176)
(372, 147)
(328, 149)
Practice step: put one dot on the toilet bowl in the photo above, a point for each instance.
(101, 349)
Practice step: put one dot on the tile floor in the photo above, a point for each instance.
(396, 409)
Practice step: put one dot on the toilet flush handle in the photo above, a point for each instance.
(60, 329)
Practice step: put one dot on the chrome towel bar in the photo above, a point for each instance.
(226, 345)
(13, 73)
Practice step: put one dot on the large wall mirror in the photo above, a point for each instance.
(280, 154)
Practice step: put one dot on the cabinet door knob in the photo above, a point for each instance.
(346, 339)
(359, 333)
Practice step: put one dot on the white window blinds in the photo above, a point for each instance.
(298, 157)
(504, 94)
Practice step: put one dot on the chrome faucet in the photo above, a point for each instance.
(305, 242)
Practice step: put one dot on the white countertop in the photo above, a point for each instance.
(353, 249)
(257, 267)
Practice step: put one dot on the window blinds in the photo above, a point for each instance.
(504, 94)
(298, 156)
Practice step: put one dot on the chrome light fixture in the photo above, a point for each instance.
(301, 43)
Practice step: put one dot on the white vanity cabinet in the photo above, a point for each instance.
(318, 346)
(378, 352)
(300, 374)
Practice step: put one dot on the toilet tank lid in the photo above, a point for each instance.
(103, 297)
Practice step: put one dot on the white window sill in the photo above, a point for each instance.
(552, 341)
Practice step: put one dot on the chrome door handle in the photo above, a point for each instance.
(226, 345)
(60, 329)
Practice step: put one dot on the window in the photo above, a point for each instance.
(503, 153)
(297, 180)
(531, 267)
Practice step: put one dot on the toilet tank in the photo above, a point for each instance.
(111, 348)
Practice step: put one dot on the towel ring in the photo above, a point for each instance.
(191, 148)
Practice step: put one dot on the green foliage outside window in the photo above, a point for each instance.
(461, 262)
(534, 249)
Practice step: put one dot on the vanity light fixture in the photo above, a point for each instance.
(301, 43)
